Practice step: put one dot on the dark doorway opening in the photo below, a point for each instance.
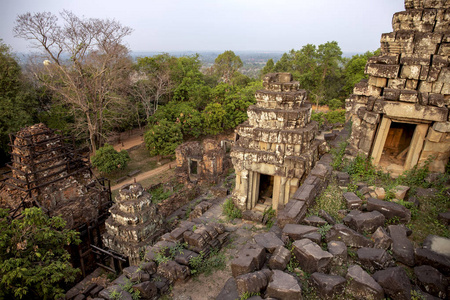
(265, 189)
(397, 144)
(193, 166)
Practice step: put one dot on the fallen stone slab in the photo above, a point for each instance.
(445, 217)
(373, 259)
(434, 259)
(293, 212)
(297, 231)
(342, 178)
(147, 289)
(400, 191)
(173, 271)
(249, 259)
(438, 244)
(389, 209)
(284, 286)
(253, 282)
(117, 290)
(361, 285)
(339, 251)
(366, 222)
(268, 240)
(327, 217)
(311, 257)
(280, 258)
(402, 247)
(432, 281)
(315, 236)
(229, 290)
(395, 283)
(381, 239)
(183, 257)
(340, 232)
(314, 221)
(352, 201)
(251, 215)
(328, 286)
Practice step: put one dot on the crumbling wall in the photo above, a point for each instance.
(49, 173)
(408, 83)
(201, 161)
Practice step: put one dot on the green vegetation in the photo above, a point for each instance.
(207, 265)
(269, 215)
(247, 295)
(107, 159)
(33, 261)
(331, 200)
(331, 117)
(230, 210)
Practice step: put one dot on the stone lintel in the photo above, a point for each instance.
(411, 111)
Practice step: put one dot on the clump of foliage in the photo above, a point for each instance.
(206, 265)
(158, 194)
(33, 261)
(335, 104)
(230, 210)
(107, 159)
(330, 200)
(269, 215)
(331, 117)
(163, 138)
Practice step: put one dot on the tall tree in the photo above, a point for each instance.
(226, 64)
(17, 99)
(85, 64)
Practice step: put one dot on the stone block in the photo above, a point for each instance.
(402, 247)
(314, 221)
(408, 96)
(366, 222)
(284, 286)
(250, 258)
(311, 257)
(328, 286)
(381, 239)
(389, 209)
(340, 232)
(280, 258)
(269, 241)
(362, 285)
(442, 127)
(184, 256)
(339, 251)
(373, 259)
(395, 283)
(432, 281)
(229, 290)
(253, 282)
(306, 192)
(429, 257)
(379, 70)
(147, 289)
(173, 271)
(292, 213)
(410, 72)
(352, 200)
(297, 231)
(322, 171)
(400, 191)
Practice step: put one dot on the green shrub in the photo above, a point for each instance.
(214, 117)
(107, 159)
(33, 260)
(335, 116)
(230, 210)
(163, 138)
(334, 104)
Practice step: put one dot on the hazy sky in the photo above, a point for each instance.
(201, 25)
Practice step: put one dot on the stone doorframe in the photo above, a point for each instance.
(416, 144)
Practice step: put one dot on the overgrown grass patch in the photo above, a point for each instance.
(230, 210)
(331, 201)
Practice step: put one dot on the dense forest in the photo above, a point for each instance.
(85, 83)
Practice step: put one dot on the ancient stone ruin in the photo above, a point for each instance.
(275, 148)
(48, 172)
(202, 161)
(400, 114)
(134, 223)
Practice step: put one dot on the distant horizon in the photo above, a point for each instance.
(177, 25)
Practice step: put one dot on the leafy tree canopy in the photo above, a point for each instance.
(107, 159)
(33, 261)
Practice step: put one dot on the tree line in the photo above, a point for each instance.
(84, 82)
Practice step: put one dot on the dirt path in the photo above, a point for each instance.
(129, 143)
(145, 175)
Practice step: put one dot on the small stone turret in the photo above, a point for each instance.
(275, 148)
(134, 222)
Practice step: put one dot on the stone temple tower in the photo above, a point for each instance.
(276, 147)
(400, 114)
